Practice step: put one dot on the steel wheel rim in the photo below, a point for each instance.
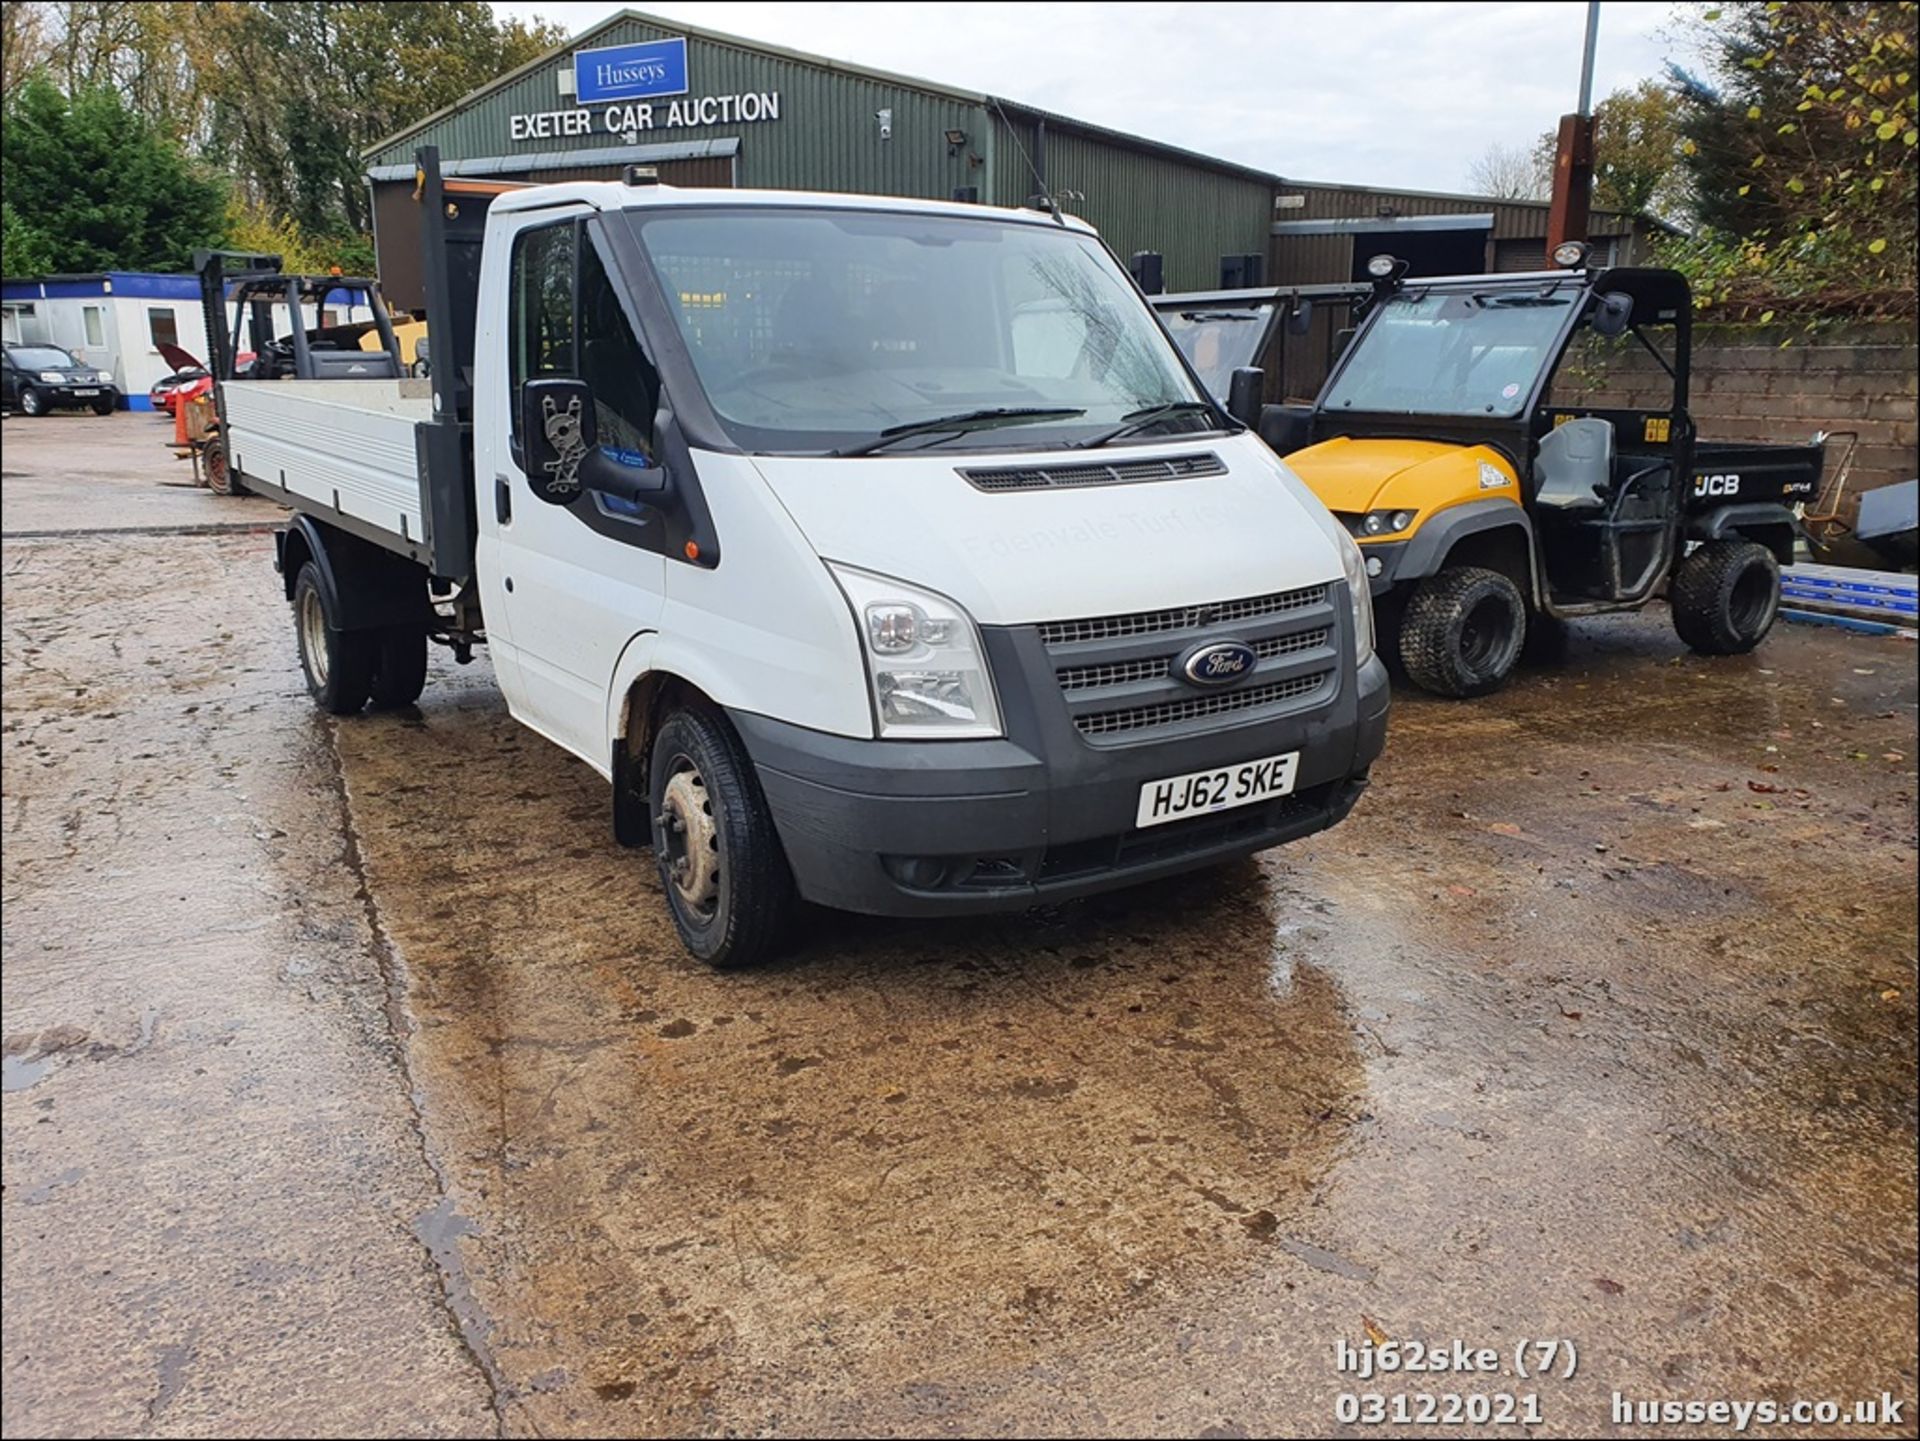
(30, 402)
(689, 840)
(313, 636)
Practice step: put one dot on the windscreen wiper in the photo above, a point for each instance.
(965, 421)
(1139, 420)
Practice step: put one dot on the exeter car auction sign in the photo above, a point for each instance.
(616, 88)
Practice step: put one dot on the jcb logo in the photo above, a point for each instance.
(1716, 485)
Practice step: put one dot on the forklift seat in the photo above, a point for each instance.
(1575, 464)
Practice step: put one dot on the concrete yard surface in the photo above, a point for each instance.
(357, 1083)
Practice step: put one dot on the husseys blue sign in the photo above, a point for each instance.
(630, 72)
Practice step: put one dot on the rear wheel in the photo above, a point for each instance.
(31, 401)
(338, 663)
(721, 864)
(219, 473)
(1725, 597)
(399, 667)
(1462, 631)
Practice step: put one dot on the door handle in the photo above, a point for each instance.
(502, 500)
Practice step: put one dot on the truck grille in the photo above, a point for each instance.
(1085, 677)
(1120, 472)
(1186, 617)
(1120, 681)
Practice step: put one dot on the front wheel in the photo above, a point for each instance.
(103, 406)
(31, 401)
(1725, 597)
(338, 663)
(1462, 631)
(721, 864)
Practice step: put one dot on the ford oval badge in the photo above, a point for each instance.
(1218, 664)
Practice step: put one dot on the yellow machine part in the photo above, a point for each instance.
(407, 332)
(1423, 476)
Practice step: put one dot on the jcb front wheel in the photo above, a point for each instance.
(1725, 597)
(1462, 631)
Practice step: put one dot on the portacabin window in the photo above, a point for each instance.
(94, 318)
(161, 326)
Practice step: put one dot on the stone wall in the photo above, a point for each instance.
(1747, 385)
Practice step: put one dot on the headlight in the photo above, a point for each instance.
(52, 377)
(925, 662)
(1356, 567)
(104, 378)
(1378, 522)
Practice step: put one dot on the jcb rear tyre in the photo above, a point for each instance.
(338, 663)
(1725, 597)
(399, 667)
(722, 868)
(1462, 631)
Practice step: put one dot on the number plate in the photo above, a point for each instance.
(86, 392)
(1204, 792)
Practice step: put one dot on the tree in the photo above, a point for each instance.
(1506, 172)
(301, 88)
(23, 44)
(1636, 153)
(1801, 144)
(89, 185)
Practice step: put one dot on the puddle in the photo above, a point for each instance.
(17, 1072)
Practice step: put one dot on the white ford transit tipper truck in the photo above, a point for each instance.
(881, 553)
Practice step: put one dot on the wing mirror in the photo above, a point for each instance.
(1612, 314)
(1300, 318)
(1243, 394)
(563, 452)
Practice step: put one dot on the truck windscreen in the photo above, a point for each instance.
(1452, 353)
(815, 331)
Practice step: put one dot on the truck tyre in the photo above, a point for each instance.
(1725, 597)
(1462, 632)
(219, 473)
(338, 663)
(31, 401)
(399, 666)
(722, 867)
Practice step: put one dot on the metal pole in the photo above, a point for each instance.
(1586, 60)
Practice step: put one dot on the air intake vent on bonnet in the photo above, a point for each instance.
(1119, 472)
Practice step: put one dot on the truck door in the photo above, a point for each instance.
(575, 582)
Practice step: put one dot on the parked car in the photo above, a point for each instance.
(37, 378)
(168, 389)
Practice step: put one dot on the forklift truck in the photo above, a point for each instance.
(1450, 439)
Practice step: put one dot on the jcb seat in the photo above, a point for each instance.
(1575, 465)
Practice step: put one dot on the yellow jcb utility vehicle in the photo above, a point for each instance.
(1451, 440)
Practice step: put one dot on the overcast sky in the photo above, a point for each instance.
(1390, 94)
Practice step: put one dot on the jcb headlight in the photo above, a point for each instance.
(1361, 594)
(925, 664)
(1379, 522)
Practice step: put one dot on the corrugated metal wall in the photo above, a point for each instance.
(827, 138)
(1142, 201)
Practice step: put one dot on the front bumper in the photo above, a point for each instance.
(927, 828)
(71, 395)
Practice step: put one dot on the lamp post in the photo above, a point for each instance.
(1571, 206)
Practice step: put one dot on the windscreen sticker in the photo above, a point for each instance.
(1509, 392)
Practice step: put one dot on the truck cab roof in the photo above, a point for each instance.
(616, 195)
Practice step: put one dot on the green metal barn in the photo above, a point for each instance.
(707, 109)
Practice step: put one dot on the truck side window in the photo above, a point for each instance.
(540, 308)
(626, 389)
